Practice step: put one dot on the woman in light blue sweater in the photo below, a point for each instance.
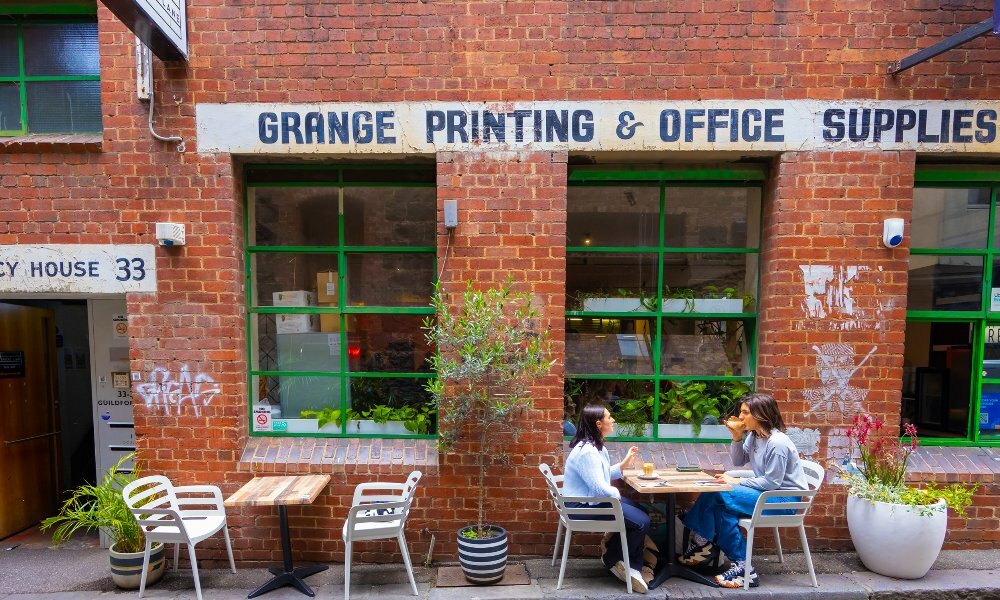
(589, 473)
(714, 518)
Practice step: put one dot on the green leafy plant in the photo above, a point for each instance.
(632, 415)
(102, 507)
(689, 401)
(882, 470)
(330, 415)
(488, 354)
(711, 291)
(685, 294)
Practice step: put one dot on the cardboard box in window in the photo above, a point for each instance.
(329, 323)
(294, 298)
(326, 287)
(296, 323)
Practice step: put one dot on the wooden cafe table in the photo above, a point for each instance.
(282, 491)
(668, 483)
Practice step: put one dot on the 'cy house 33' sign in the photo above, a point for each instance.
(78, 268)
(769, 126)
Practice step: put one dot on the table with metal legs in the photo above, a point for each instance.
(281, 492)
(665, 487)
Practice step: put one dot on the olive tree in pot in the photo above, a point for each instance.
(488, 354)
(102, 507)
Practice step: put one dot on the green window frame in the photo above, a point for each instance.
(982, 321)
(333, 177)
(21, 15)
(664, 180)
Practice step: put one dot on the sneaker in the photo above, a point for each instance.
(638, 583)
(735, 576)
(619, 570)
(699, 555)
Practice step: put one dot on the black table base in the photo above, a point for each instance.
(667, 566)
(286, 574)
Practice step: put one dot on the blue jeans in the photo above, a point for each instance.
(715, 516)
(636, 530)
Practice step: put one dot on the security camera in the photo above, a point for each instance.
(892, 232)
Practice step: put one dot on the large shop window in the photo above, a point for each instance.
(951, 363)
(49, 75)
(341, 267)
(661, 284)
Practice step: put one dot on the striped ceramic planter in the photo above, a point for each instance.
(483, 560)
(126, 567)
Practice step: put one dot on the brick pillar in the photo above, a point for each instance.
(832, 317)
(512, 222)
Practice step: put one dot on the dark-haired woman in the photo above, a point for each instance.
(714, 518)
(589, 473)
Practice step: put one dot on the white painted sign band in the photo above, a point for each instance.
(767, 126)
(78, 269)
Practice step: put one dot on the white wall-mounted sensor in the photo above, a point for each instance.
(892, 232)
(170, 234)
(450, 214)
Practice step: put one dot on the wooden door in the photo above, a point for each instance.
(28, 420)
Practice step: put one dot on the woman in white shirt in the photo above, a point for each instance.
(589, 472)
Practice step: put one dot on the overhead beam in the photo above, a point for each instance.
(969, 33)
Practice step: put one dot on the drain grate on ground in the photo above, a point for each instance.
(516, 574)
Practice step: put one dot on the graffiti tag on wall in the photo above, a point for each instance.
(836, 365)
(169, 393)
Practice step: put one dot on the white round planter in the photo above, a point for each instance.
(895, 539)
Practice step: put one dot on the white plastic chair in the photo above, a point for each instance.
(814, 476)
(584, 522)
(554, 483)
(160, 509)
(379, 511)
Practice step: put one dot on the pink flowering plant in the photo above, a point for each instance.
(883, 456)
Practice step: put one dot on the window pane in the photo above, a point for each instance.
(610, 282)
(950, 218)
(61, 49)
(704, 347)
(294, 279)
(8, 51)
(292, 394)
(945, 283)
(383, 216)
(608, 345)
(295, 216)
(937, 375)
(696, 409)
(712, 217)
(390, 279)
(286, 343)
(64, 106)
(727, 277)
(991, 352)
(396, 406)
(989, 411)
(630, 401)
(387, 343)
(10, 107)
(612, 216)
(423, 175)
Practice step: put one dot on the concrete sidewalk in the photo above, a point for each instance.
(81, 573)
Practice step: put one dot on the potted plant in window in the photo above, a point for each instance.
(897, 529)
(102, 507)
(691, 406)
(710, 300)
(488, 353)
(623, 300)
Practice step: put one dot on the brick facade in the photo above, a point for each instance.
(821, 209)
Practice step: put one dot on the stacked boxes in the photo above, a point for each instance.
(295, 323)
(326, 291)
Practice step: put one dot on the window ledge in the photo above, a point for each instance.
(52, 143)
(941, 464)
(299, 455)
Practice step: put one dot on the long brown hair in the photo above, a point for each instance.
(764, 408)
(587, 430)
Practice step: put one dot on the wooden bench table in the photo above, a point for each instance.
(282, 491)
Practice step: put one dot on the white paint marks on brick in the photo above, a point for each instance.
(806, 440)
(829, 295)
(164, 390)
(835, 365)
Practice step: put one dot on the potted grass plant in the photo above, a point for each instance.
(488, 354)
(897, 529)
(102, 507)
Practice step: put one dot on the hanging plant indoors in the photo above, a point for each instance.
(488, 354)
(897, 529)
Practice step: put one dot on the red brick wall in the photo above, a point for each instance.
(822, 208)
